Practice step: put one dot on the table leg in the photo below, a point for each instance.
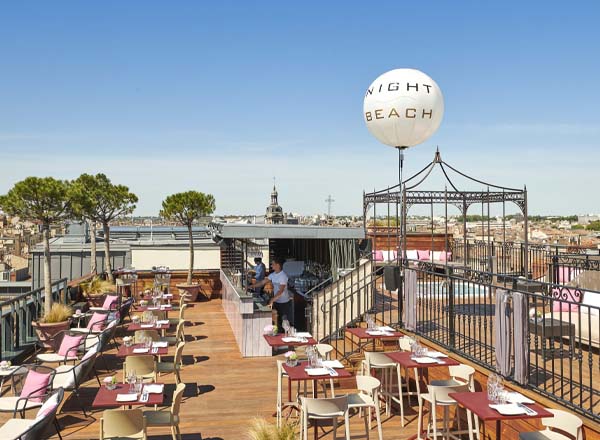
(498, 430)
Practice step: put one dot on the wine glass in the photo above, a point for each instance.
(286, 325)
(131, 377)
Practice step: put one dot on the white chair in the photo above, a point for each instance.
(562, 421)
(460, 375)
(144, 365)
(175, 366)
(325, 409)
(367, 398)
(377, 361)
(168, 418)
(437, 396)
(175, 321)
(34, 429)
(71, 377)
(121, 424)
(35, 382)
(325, 351)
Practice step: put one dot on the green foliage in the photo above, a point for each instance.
(186, 207)
(593, 226)
(577, 227)
(84, 197)
(98, 199)
(42, 199)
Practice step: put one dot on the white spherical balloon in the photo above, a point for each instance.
(403, 107)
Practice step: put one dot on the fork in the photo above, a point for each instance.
(526, 408)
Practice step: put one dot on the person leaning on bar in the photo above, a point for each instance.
(281, 300)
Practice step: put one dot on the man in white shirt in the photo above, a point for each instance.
(281, 300)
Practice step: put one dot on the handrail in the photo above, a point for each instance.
(17, 315)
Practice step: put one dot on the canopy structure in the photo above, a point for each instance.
(409, 193)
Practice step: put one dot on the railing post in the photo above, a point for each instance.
(451, 311)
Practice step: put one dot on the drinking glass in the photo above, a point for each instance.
(286, 325)
(131, 380)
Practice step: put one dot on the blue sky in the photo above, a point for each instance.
(222, 96)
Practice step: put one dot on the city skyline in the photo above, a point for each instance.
(227, 96)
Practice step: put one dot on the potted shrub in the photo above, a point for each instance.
(186, 208)
(95, 290)
(263, 430)
(55, 321)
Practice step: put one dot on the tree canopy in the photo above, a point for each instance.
(43, 199)
(187, 207)
(97, 198)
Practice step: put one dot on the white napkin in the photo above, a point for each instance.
(155, 388)
(333, 364)
(152, 308)
(160, 344)
(379, 333)
(514, 397)
(303, 335)
(510, 409)
(146, 325)
(291, 339)
(317, 371)
(385, 328)
(167, 295)
(436, 354)
(425, 360)
(140, 350)
(165, 307)
(162, 322)
(130, 397)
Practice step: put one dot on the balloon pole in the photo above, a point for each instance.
(402, 228)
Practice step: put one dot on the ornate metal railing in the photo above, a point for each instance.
(17, 335)
(457, 311)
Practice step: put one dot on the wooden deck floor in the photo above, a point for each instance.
(224, 391)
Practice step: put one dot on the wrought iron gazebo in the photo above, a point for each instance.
(401, 197)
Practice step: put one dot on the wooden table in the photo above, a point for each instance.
(479, 404)
(277, 341)
(298, 373)
(125, 351)
(362, 335)
(106, 398)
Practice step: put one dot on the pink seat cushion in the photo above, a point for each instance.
(35, 385)
(378, 255)
(97, 321)
(572, 295)
(69, 345)
(423, 255)
(109, 301)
